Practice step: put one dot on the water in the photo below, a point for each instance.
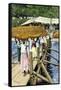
(55, 45)
(14, 52)
(14, 48)
(54, 69)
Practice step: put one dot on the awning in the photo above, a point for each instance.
(42, 20)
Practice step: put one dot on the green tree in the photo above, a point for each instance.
(24, 11)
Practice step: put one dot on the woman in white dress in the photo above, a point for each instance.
(34, 50)
(24, 58)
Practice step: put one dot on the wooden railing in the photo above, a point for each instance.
(41, 65)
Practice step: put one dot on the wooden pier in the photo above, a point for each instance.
(18, 78)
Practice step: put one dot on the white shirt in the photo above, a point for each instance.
(41, 40)
(23, 48)
(30, 44)
(37, 44)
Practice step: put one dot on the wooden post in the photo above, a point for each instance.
(38, 51)
(32, 77)
(49, 44)
(30, 63)
(39, 66)
(40, 76)
(46, 73)
(18, 54)
(19, 50)
(48, 55)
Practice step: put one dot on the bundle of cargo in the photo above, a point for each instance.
(25, 32)
(56, 34)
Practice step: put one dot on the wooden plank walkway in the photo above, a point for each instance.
(18, 78)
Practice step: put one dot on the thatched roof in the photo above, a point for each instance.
(24, 32)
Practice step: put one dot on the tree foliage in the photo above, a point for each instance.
(34, 10)
(23, 10)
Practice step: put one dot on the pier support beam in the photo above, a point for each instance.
(32, 76)
(30, 63)
(40, 76)
(46, 73)
(19, 54)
